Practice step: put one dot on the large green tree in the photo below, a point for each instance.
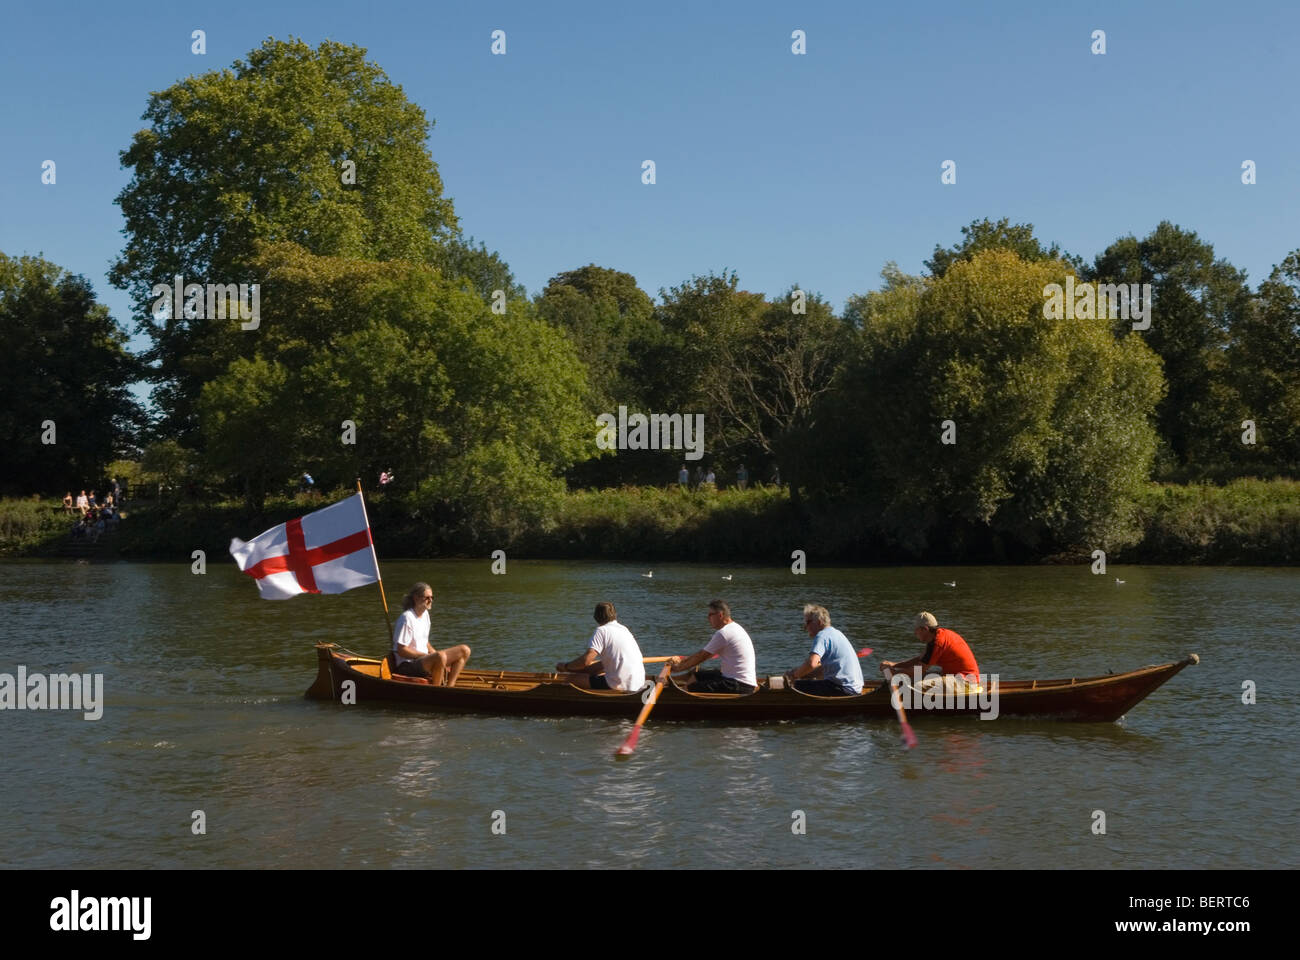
(477, 413)
(310, 146)
(1198, 301)
(704, 324)
(769, 380)
(64, 361)
(608, 318)
(754, 367)
(611, 322)
(1264, 369)
(483, 271)
(1003, 235)
(1050, 417)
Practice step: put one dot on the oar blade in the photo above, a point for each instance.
(909, 738)
(625, 751)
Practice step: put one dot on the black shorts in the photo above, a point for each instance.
(823, 688)
(411, 668)
(599, 682)
(712, 681)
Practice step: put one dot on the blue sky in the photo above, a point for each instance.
(814, 169)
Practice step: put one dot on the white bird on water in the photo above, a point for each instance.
(1118, 580)
(650, 574)
(950, 583)
(727, 577)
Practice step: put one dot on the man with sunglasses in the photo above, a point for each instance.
(411, 651)
(733, 645)
(832, 667)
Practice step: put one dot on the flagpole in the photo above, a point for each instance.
(374, 556)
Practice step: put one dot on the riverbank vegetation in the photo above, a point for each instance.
(1242, 522)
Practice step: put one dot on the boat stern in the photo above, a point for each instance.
(322, 687)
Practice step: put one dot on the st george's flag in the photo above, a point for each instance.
(327, 551)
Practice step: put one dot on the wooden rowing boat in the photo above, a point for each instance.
(352, 678)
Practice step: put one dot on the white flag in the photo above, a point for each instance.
(328, 551)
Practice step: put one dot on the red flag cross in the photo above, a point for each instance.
(299, 560)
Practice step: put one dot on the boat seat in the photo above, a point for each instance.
(405, 679)
(386, 671)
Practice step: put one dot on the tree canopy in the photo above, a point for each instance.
(1199, 302)
(1263, 366)
(986, 235)
(65, 361)
(310, 146)
(476, 413)
(963, 416)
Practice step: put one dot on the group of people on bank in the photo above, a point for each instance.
(93, 516)
(709, 480)
(613, 660)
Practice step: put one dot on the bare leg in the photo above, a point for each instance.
(455, 658)
(434, 664)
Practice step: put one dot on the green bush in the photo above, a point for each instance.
(24, 524)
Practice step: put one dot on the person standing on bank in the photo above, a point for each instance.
(612, 660)
(411, 651)
(732, 644)
(832, 667)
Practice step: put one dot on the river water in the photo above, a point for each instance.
(204, 711)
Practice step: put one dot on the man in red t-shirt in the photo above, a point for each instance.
(944, 649)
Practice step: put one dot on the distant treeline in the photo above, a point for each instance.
(945, 414)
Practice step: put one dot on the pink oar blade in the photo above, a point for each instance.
(909, 738)
(630, 743)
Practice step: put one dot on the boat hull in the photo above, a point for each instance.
(359, 680)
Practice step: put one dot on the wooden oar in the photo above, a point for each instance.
(909, 738)
(629, 744)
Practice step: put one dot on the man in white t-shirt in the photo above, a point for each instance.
(412, 655)
(612, 660)
(732, 644)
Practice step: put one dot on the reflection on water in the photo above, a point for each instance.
(204, 712)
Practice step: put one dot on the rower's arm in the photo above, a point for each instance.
(693, 660)
(578, 664)
(810, 666)
(905, 666)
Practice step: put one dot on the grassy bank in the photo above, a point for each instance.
(27, 525)
(655, 523)
(1247, 521)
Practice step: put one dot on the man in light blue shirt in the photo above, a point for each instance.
(832, 668)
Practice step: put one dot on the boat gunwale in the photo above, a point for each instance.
(540, 679)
